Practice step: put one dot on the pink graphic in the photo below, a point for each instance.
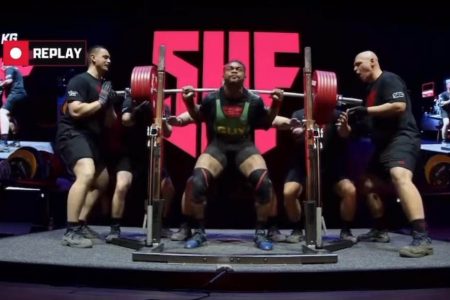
(184, 72)
(213, 55)
(266, 75)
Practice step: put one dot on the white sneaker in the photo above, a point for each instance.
(73, 239)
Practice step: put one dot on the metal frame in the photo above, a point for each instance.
(313, 145)
(155, 203)
(313, 252)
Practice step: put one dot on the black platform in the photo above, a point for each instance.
(40, 258)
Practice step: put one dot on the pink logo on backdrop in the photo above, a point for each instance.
(256, 50)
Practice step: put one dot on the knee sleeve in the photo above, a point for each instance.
(261, 185)
(200, 182)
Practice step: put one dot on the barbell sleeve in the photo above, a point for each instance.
(348, 100)
(287, 94)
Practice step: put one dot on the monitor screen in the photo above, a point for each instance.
(428, 90)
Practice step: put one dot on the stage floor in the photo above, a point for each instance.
(45, 248)
(28, 257)
(435, 147)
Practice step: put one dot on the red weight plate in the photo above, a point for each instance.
(143, 83)
(325, 96)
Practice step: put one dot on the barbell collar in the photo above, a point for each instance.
(175, 91)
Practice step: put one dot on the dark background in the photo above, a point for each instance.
(410, 40)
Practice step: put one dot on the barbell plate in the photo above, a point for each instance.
(430, 167)
(325, 96)
(28, 160)
(135, 82)
(143, 83)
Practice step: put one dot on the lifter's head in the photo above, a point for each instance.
(234, 72)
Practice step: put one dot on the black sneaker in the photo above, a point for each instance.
(419, 247)
(375, 235)
(346, 235)
(74, 239)
(295, 237)
(262, 241)
(198, 239)
(275, 235)
(114, 233)
(166, 232)
(182, 234)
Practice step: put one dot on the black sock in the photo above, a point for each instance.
(164, 223)
(419, 225)
(380, 223)
(297, 225)
(105, 219)
(190, 221)
(4, 137)
(197, 224)
(272, 222)
(261, 225)
(82, 222)
(346, 225)
(115, 222)
(72, 226)
(185, 222)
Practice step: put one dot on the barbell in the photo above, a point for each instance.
(144, 83)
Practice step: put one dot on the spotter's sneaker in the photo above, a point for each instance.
(375, 235)
(295, 237)
(89, 233)
(275, 235)
(114, 233)
(346, 235)
(419, 247)
(182, 234)
(73, 239)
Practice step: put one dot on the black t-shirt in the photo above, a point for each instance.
(258, 117)
(390, 88)
(17, 86)
(84, 88)
(334, 147)
(135, 137)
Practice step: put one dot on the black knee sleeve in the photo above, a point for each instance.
(262, 185)
(200, 182)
